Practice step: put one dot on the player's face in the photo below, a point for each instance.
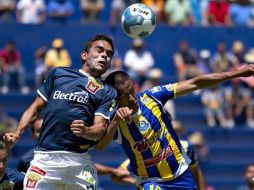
(127, 96)
(3, 161)
(99, 57)
(249, 174)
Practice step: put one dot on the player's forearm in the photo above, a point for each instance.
(104, 170)
(94, 132)
(27, 119)
(108, 137)
(209, 80)
(204, 81)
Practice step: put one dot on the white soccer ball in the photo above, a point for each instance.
(138, 21)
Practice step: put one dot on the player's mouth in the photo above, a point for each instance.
(102, 63)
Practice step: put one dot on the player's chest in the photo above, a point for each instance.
(79, 91)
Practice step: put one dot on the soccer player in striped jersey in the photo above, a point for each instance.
(157, 159)
(61, 159)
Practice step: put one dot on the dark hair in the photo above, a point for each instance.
(3, 146)
(97, 38)
(117, 78)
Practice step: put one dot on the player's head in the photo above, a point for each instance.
(125, 87)
(249, 174)
(97, 55)
(3, 158)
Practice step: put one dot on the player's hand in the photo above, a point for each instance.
(248, 70)
(120, 173)
(124, 114)
(78, 128)
(11, 139)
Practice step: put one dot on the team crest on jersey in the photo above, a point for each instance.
(156, 89)
(7, 185)
(169, 87)
(32, 179)
(93, 85)
(143, 125)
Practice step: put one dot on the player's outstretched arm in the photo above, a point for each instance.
(27, 119)
(122, 114)
(204, 81)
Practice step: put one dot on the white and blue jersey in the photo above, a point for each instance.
(71, 95)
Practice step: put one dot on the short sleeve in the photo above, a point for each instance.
(108, 105)
(45, 90)
(162, 93)
(191, 154)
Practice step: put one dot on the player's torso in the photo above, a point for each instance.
(73, 96)
(76, 96)
(150, 142)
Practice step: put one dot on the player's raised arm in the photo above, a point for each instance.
(27, 119)
(121, 114)
(208, 80)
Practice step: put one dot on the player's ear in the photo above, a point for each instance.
(83, 55)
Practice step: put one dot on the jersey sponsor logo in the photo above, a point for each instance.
(7, 185)
(32, 179)
(161, 156)
(156, 89)
(144, 143)
(87, 174)
(80, 97)
(169, 87)
(93, 85)
(141, 146)
(112, 105)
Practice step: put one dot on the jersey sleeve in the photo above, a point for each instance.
(162, 93)
(45, 90)
(108, 105)
(191, 154)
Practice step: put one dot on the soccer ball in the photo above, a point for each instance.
(138, 21)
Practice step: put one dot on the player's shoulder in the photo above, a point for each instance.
(61, 71)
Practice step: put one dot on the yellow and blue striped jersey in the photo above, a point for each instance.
(149, 140)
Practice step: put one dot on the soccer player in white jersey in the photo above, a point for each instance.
(61, 159)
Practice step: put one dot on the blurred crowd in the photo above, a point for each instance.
(226, 105)
(171, 12)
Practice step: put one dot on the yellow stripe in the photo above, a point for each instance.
(174, 86)
(163, 167)
(141, 170)
(124, 164)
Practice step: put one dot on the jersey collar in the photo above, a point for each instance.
(84, 73)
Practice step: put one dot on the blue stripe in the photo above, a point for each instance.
(128, 150)
(148, 114)
(169, 127)
(138, 138)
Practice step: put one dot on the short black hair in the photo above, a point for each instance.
(97, 38)
(116, 77)
(3, 146)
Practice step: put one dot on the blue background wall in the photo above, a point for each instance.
(162, 43)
